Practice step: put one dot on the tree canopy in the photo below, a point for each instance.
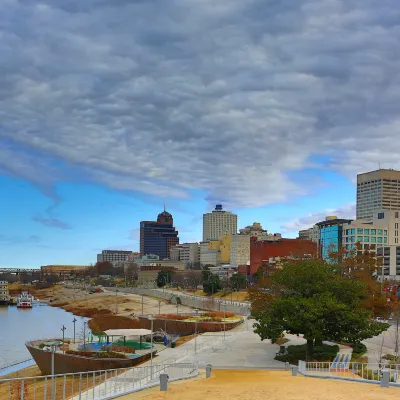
(164, 277)
(211, 282)
(313, 298)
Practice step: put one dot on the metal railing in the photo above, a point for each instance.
(95, 385)
(371, 372)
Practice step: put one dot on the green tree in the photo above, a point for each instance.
(238, 281)
(164, 277)
(211, 283)
(312, 298)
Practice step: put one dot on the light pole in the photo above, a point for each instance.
(142, 306)
(195, 331)
(63, 331)
(159, 307)
(73, 321)
(224, 320)
(116, 301)
(151, 354)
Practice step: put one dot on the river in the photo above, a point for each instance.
(17, 326)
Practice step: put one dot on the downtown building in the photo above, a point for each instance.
(377, 190)
(218, 223)
(158, 237)
(188, 253)
(114, 256)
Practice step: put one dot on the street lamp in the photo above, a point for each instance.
(116, 301)
(151, 354)
(142, 306)
(195, 331)
(73, 321)
(63, 332)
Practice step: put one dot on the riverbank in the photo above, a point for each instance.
(80, 303)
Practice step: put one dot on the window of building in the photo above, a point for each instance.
(359, 230)
(380, 240)
(373, 239)
(359, 238)
(373, 231)
(396, 214)
(380, 232)
(353, 231)
(366, 238)
(381, 215)
(385, 240)
(366, 231)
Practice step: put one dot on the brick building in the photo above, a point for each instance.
(262, 251)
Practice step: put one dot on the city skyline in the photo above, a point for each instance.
(109, 108)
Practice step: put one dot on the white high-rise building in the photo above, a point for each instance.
(377, 190)
(218, 223)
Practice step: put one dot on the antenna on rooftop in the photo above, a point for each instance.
(164, 205)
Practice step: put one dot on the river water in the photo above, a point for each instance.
(18, 326)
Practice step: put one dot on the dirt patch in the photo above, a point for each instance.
(101, 323)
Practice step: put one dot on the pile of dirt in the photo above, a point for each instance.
(101, 323)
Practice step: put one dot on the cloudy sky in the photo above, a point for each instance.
(110, 107)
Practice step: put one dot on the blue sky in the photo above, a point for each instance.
(108, 108)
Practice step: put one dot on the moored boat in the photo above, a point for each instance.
(25, 300)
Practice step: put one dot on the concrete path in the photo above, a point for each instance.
(240, 348)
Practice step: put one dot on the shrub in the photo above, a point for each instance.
(219, 314)
(358, 349)
(321, 353)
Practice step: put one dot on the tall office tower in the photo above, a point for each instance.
(157, 237)
(377, 190)
(218, 223)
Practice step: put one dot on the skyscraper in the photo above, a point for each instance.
(157, 237)
(377, 190)
(218, 223)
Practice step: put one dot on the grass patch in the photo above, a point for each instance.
(296, 353)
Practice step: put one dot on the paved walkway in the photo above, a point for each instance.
(240, 348)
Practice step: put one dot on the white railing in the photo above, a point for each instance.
(95, 385)
(371, 372)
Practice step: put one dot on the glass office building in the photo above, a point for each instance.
(331, 236)
(157, 237)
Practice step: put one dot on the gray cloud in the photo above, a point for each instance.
(51, 222)
(346, 211)
(228, 97)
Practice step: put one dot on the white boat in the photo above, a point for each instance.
(25, 300)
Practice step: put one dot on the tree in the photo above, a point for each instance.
(311, 297)
(104, 268)
(238, 281)
(164, 277)
(364, 266)
(211, 282)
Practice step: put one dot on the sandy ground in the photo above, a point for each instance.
(76, 300)
(261, 385)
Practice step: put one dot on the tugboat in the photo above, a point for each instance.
(25, 300)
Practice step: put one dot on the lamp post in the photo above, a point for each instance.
(116, 301)
(151, 354)
(63, 333)
(195, 332)
(73, 321)
(142, 306)
(224, 320)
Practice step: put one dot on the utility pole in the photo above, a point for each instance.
(63, 333)
(116, 301)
